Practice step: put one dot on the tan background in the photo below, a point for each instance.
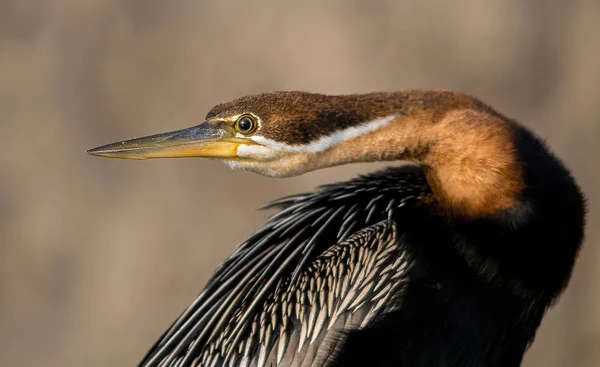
(99, 256)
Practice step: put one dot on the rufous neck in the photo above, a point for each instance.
(468, 155)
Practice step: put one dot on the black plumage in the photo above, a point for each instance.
(285, 260)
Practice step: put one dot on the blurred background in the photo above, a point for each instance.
(98, 257)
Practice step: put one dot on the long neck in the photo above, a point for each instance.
(468, 152)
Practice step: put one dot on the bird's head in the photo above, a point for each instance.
(274, 134)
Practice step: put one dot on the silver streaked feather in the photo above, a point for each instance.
(308, 275)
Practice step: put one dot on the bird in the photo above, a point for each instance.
(451, 258)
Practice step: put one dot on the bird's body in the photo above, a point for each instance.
(452, 263)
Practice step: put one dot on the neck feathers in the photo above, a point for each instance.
(468, 152)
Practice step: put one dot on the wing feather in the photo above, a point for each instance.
(327, 262)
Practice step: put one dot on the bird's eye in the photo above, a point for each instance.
(246, 124)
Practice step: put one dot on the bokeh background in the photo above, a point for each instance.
(98, 257)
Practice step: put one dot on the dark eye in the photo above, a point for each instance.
(246, 124)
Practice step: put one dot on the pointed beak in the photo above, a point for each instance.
(208, 139)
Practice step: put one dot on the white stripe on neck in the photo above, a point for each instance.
(329, 141)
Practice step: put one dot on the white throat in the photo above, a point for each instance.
(328, 141)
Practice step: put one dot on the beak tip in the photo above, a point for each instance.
(95, 151)
(105, 152)
(100, 152)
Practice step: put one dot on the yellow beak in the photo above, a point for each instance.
(205, 140)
